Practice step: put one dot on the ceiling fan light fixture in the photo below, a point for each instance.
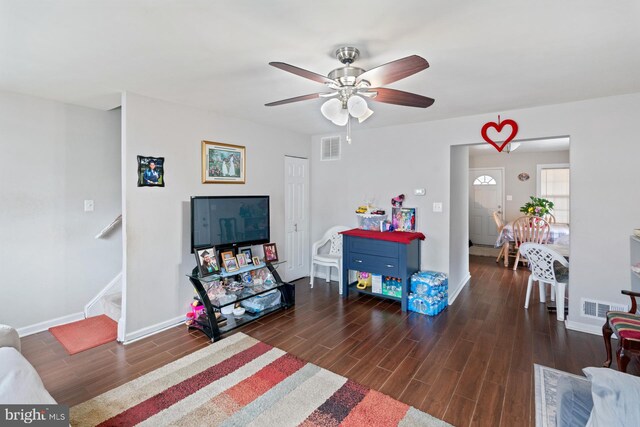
(365, 116)
(357, 106)
(512, 146)
(342, 118)
(331, 109)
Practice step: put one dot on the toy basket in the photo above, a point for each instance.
(370, 221)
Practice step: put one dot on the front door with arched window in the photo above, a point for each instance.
(485, 197)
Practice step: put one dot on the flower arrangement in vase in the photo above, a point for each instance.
(537, 207)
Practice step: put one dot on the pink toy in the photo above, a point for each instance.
(396, 202)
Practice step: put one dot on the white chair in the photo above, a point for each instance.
(541, 260)
(331, 259)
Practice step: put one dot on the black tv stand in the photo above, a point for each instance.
(215, 328)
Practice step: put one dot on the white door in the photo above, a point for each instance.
(485, 196)
(296, 211)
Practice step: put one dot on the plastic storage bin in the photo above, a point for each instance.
(370, 222)
(262, 302)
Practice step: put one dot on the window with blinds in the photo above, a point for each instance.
(554, 185)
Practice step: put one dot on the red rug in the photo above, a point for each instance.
(85, 334)
(241, 381)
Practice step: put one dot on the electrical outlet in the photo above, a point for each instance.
(88, 205)
(437, 207)
(419, 191)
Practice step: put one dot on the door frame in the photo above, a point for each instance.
(307, 209)
(504, 196)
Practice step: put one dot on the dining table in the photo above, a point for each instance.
(558, 239)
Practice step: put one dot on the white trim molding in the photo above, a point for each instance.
(153, 329)
(466, 279)
(43, 326)
(583, 327)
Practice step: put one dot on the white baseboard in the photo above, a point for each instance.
(583, 327)
(43, 326)
(153, 329)
(461, 286)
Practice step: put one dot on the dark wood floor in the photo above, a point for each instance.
(471, 365)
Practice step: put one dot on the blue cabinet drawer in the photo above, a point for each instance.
(386, 266)
(374, 247)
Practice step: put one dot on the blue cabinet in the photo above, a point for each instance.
(380, 257)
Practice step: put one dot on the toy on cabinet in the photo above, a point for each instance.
(396, 202)
(364, 280)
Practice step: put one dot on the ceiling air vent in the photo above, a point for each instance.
(598, 309)
(330, 148)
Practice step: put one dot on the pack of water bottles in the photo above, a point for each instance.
(429, 292)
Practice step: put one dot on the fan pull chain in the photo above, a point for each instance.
(349, 129)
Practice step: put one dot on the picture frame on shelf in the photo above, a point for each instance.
(256, 260)
(207, 261)
(150, 171)
(247, 254)
(226, 255)
(270, 252)
(242, 260)
(223, 163)
(231, 264)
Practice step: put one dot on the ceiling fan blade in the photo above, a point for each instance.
(394, 70)
(398, 97)
(302, 72)
(296, 99)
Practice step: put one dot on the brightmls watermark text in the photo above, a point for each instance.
(34, 415)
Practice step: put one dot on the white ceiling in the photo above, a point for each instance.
(485, 56)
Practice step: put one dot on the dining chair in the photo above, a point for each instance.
(626, 326)
(331, 259)
(541, 260)
(550, 218)
(530, 229)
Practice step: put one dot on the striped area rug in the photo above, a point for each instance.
(241, 381)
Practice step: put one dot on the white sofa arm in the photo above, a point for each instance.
(9, 337)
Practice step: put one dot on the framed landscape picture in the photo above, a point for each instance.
(150, 171)
(223, 163)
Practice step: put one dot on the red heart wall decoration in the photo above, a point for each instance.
(498, 127)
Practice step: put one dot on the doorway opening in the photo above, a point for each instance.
(484, 181)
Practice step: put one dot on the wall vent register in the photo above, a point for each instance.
(330, 148)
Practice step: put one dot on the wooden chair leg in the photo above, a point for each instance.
(606, 334)
(623, 359)
(515, 265)
(501, 254)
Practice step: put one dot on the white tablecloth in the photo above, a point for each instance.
(559, 234)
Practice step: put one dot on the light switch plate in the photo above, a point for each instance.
(88, 205)
(509, 197)
(419, 191)
(437, 207)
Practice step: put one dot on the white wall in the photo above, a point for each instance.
(459, 208)
(514, 164)
(53, 156)
(604, 181)
(157, 220)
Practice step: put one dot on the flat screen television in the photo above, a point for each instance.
(224, 221)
